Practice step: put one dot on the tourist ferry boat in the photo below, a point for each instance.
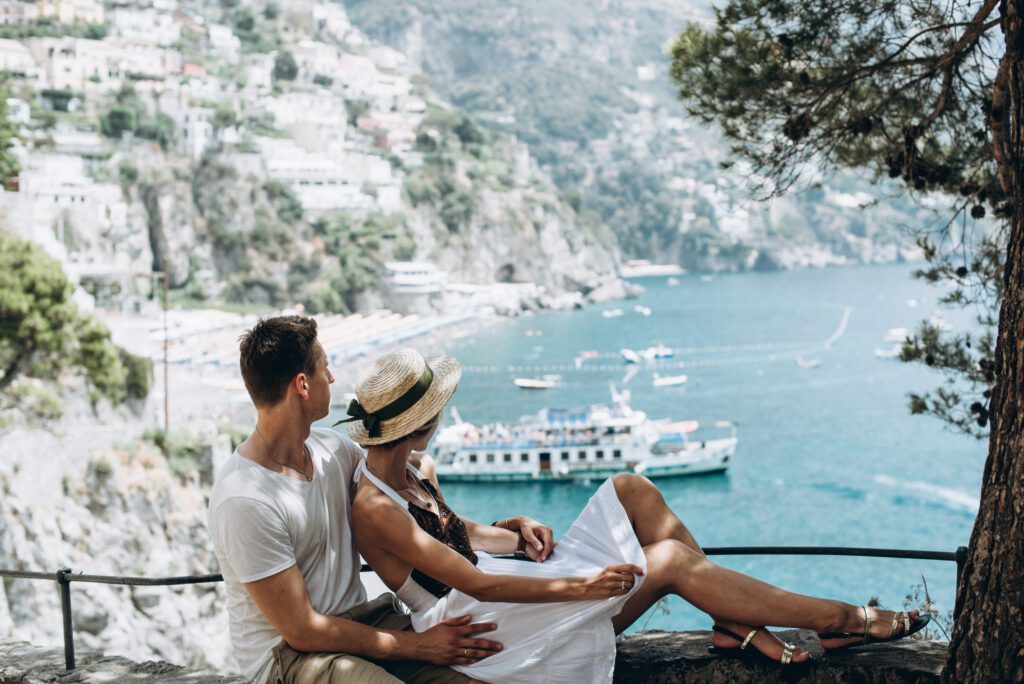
(583, 444)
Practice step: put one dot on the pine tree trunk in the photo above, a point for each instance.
(988, 635)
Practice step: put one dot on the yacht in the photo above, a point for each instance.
(590, 443)
(414, 277)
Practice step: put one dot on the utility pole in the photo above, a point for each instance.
(167, 387)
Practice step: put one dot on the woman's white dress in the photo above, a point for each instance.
(571, 641)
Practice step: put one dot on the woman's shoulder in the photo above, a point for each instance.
(424, 463)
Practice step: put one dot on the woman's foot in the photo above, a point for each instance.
(871, 625)
(766, 643)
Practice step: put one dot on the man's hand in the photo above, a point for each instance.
(451, 642)
(540, 540)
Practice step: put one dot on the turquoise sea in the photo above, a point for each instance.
(827, 456)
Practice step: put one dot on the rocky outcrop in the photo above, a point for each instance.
(657, 657)
(23, 663)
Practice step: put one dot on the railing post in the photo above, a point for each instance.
(961, 561)
(65, 608)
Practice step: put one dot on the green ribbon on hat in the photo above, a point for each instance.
(372, 419)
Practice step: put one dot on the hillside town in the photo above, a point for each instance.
(207, 92)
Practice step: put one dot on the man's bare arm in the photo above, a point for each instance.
(284, 601)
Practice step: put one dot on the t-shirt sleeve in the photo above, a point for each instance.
(251, 538)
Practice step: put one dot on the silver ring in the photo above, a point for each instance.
(623, 584)
(465, 653)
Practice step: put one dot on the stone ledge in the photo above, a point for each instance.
(652, 657)
(22, 663)
(656, 657)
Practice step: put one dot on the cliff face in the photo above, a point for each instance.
(121, 511)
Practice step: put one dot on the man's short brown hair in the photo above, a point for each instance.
(275, 351)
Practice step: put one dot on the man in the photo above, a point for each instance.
(279, 515)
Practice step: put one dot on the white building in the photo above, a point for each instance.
(15, 13)
(315, 59)
(18, 59)
(321, 182)
(259, 73)
(146, 26)
(318, 108)
(225, 43)
(414, 277)
(69, 63)
(72, 11)
(58, 197)
(195, 131)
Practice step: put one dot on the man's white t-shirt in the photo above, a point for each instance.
(265, 522)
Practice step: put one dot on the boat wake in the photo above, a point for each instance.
(945, 496)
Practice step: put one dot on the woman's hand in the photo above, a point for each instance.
(615, 580)
(539, 538)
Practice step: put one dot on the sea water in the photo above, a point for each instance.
(827, 456)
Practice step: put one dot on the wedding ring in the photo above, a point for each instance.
(623, 584)
(465, 653)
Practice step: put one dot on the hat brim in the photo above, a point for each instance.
(447, 373)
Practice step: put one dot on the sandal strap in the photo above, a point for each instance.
(787, 654)
(750, 635)
(867, 623)
(894, 628)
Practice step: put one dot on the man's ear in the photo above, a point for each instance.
(302, 384)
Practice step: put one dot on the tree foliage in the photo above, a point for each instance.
(901, 90)
(285, 67)
(43, 335)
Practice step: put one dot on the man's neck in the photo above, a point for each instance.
(278, 441)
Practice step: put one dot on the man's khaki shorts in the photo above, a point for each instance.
(292, 667)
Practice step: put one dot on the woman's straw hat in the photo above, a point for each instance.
(400, 393)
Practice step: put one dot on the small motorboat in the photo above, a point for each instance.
(896, 335)
(668, 380)
(612, 313)
(629, 356)
(673, 281)
(807, 363)
(642, 310)
(658, 352)
(547, 382)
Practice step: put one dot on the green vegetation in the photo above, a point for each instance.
(44, 336)
(285, 67)
(48, 28)
(129, 114)
(9, 164)
(252, 37)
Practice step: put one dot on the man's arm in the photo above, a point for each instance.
(284, 601)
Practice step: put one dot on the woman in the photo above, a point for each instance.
(557, 619)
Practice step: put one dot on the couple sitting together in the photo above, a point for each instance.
(295, 506)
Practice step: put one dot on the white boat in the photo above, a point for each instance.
(642, 310)
(658, 352)
(414, 277)
(888, 352)
(807, 363)
(672, 282)
(896, 335)
(668, 380)
(642, 268)
(629, 356)
(912, 303)
(612, 313)
(579, 444)
(547, 382)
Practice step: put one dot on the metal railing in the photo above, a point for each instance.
(65, 576)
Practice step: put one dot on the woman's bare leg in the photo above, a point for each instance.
(676, 564)
(654, 521)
